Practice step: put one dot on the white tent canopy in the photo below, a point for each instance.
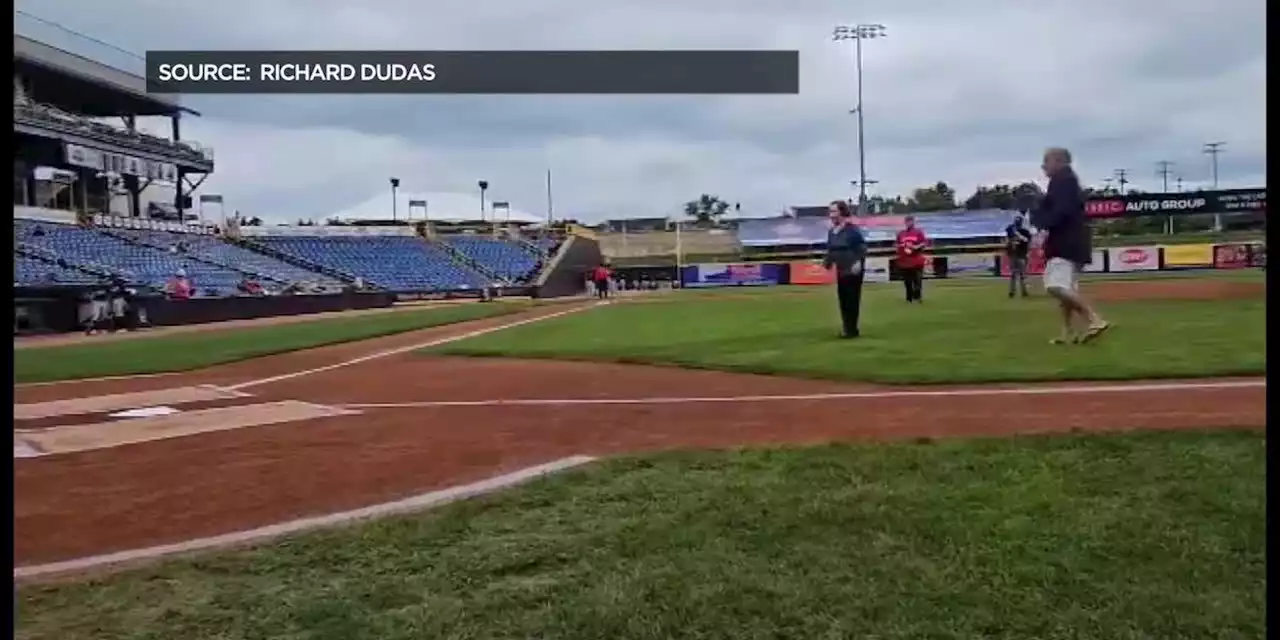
(444, 207)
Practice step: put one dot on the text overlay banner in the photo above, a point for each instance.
(475, 72)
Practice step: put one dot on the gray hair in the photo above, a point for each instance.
(1059, 152)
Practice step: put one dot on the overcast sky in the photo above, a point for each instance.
(969, 92)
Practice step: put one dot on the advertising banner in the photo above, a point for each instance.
(1134, 258)
(1188, 256)
(1165, 204)
(971, 264)
(1231, 256)
(731, 275)
(1035, 263)
(876, 270)
(810, 272)
(1258, 255)
(1099, 262)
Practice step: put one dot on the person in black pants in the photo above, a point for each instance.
(846, 253)
(1017, 245)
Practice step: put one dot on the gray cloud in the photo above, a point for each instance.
(965, 92)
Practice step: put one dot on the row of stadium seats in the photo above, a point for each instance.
(219, 251)
(28, 271)
(24, 110)
(395, 263)
(138, 264)
(511, 260)
(217, 266)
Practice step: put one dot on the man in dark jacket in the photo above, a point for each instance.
(846, 253)
(1067, 247)
(1017, 242)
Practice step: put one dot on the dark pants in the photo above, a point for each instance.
(913, 282)
(1017, 275)
(602, 288)
(849, 293)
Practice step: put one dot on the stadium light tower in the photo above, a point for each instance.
(858, 33)
(484, 186)
(395, 185)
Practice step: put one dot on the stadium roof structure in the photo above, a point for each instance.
(441, 207)
(81, 85)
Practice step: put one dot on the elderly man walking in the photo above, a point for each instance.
(1067, 248)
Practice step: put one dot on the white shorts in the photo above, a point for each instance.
(1060, 273)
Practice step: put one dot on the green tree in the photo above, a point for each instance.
(939, 197)
(706, 209)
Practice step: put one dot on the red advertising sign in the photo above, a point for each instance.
(1134, 258)
(1035, 262)
(1231, 256)
(1105, 208)
(811, 273)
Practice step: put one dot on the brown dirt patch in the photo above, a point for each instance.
(171, 490)
(35, 342)
(1174, 290)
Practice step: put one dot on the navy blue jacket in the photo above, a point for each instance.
(1061, 215)
(845, 247)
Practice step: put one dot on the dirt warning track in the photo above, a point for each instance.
(383, 424)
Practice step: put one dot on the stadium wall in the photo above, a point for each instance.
(1132, 259)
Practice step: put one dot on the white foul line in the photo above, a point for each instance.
(136, 376)
(853, 395)
(262, 534)
(399, 350)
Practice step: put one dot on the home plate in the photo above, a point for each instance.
(145, 412)
(21, 449)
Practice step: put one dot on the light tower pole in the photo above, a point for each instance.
(858, 33)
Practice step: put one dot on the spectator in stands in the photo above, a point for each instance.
(1017, 243)
(250, 287)
(179, 286)
(911, 259)
(846, 253)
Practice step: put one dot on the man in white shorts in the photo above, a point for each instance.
(1067, 248)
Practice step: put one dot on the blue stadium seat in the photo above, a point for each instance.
(32, 272)
(395, 263)
(509, 259)
(217, 250)
(137, 264)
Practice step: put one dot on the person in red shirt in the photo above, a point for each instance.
(911, 243)
(601, 277)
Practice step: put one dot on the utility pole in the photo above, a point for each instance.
(1179, 184)
(861, 187)
(858, 33)
(1106, 185)
(1122, 178)
(1163, 170)
(1213, 149)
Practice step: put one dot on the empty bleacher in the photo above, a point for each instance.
(136, 263)
(219, 251)
(398, 263)
(511, 260)
(33, 272)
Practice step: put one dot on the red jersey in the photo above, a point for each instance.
(600, 273)
(911, 244)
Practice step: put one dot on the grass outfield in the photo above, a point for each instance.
(966, 332)
(1140, 535)
(196, 350)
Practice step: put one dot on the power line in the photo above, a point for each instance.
(1122, 178)
(1213, 149)
(1163, 169)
